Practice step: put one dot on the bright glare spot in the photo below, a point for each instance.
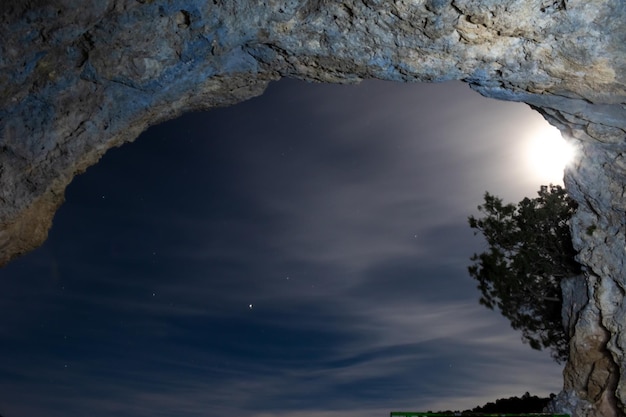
(250, 306)
(548, 154)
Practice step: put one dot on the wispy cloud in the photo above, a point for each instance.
(316, 268)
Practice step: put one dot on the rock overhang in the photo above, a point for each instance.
(79, 77)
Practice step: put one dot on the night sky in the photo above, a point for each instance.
(303, 253)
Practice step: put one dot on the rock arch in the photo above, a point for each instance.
(79, 77)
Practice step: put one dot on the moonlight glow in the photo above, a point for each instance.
(548, 154)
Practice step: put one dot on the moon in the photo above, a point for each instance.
(548, 153)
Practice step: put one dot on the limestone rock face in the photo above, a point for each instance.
(78, 77)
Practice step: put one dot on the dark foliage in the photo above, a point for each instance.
(530, 252)
(512, 405)
(525, 404)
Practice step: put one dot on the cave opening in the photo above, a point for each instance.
(304, 251)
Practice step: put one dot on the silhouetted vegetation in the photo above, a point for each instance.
(524, 404)
(530, 252)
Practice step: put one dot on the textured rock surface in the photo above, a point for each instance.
(80, 76)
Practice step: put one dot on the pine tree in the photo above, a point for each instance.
(530, 252)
